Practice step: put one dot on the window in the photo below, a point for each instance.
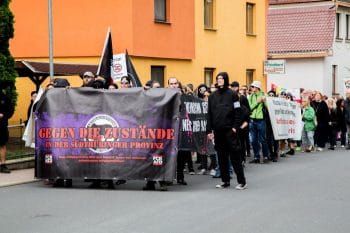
(249, 76)
(160, 10)
(157, 74)
(337, 26)
(334, 78)
(347, 27)
(209, 14)
(250, 18)
(208, 76)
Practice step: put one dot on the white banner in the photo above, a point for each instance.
(118, 69)
(285, 118)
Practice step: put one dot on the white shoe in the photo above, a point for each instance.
(222, 185)
(202, 172)
(212, 172)
(241, 186)
(342, 146)
(192, 173)
(319, 149)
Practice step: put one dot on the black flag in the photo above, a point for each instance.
(132, 72)
(104, 68)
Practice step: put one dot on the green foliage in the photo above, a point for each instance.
(7, 63)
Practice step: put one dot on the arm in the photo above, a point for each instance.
(238, 114)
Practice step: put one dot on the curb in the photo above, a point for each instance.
(19, 182)
(16, 164)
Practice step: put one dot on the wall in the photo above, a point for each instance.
(341, 58)
(307, 73)
(227, 48)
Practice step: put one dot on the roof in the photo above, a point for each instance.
(301, 30)
(31, 68)
(275, 2)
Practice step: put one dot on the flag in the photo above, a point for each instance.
(104, 68)
(132, 72)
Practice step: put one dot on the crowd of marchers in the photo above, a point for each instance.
(238, 127)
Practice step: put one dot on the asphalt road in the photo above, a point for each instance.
(305, 193)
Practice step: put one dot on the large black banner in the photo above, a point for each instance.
(107, 134)
(193, 125)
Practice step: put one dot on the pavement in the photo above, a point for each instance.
(16, 177)
(304, 193)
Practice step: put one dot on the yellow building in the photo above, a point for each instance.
(192, 40)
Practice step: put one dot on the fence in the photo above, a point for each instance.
(15, 146)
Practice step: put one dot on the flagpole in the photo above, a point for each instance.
(103, 51)
(50, 40)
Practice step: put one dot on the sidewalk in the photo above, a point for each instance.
(20, 176)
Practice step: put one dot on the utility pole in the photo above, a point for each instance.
(50, 40)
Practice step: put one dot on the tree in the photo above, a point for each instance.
(8, 73)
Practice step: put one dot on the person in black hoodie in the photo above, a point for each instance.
(224, 120)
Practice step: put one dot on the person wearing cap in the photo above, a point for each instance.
(223, 122)
(257, 124)
(88, 78)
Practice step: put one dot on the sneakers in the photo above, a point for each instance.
(4, 169)
(291, 152)
(319, 149)
(163, 186)
(266, 160)
(202, 172)
(212, 172)
(342, 146)
(192, 172)
(241, 186)
(298, 149)
(181, 182)
(331, 148)
(223, 185)
(119, 182)
(254, 161)
(150, 186)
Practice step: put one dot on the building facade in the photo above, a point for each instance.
(313, 38)
(192, 40)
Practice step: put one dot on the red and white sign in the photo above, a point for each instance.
(118, 69)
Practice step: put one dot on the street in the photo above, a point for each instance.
(304, 193)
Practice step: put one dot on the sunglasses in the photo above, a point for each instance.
(124, 83)
(87, 76)
(173, 83)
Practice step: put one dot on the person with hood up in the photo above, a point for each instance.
(224, 120)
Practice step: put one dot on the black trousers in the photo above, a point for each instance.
(243, 140)
(228, 147)
(181, 160)
(321, 134)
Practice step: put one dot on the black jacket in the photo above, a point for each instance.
(322, 112)
(5, 109)
(224, 111)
